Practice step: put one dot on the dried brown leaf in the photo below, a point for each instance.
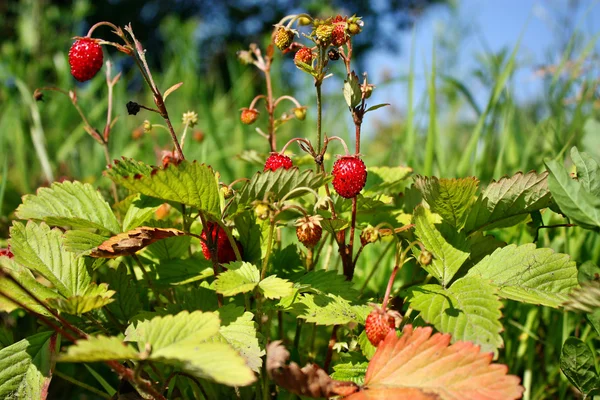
(310, 381)
(130, 242)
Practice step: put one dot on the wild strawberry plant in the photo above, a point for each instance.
(189, 287)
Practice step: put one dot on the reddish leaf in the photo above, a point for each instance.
(130, 242)
(309, 381)
(421, 366)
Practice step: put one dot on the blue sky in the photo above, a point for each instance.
(491, 24)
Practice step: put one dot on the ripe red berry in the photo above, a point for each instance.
(349, 176)
(304, 55)
(309, 231)
(6, 253)
(225, 252)
(339, 36)
(249, 116)
(378, 325)
(85, 59)
(276, 161)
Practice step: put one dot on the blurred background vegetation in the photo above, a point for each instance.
(439, 123)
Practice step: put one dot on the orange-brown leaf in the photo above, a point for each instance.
(130, 242)
(419, 365)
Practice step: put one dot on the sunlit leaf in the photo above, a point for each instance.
(241, 277)
(273, 287)
(95, 296)
(239, 330)
(99, 348)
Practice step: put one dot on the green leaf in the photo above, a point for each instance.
(239, 330)
(334, 225)
(141, 209)
(188, 183)
(25, 367)
(447, 258)
(588, 171)
(180, 340)
(570, 195)
(273, 287)
(171, 248)
(253, 236)
(353, 372)
(527, 274)
(327, 282)
(387, 180)
(41, 249)
(127, 297)
(376, 107)
(82, 242)
(241, 277)
(450, 198)
(577, 363)
(25, 278)
(99, 348)
(329, 310)
(73, 204)
(278, 184)
(352, 91)
(286, 262)
(96, 296)
(468, 310)
(180, 272)
(365, 345)
(508, 201)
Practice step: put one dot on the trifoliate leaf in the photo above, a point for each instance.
(73, 204)
(508, 201)
(421, 366)
(188, 183)
(25, 367)
(41, 249)
(241, 277)
(469, 310)
(273, 287)
(527, 274)
(447, 258)
(99, 348)
(450, 198)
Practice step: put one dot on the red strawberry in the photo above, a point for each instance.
(309, 231)
(6, 253)
(339, 36)
(85, 59)
(304, 55)
(378, 325)
(249, 115)
(349, 176)
(225, 253)
(276, 161)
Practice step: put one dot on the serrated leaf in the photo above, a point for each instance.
(351, 90)
(188, 183)
(41, 249)
(508, 201)
(241, 277)
(588, 171)
(25, 367)
(141, 209)
(252, 235)
(286, 262)
(82, 242)
(447, 258)
(366, 347)
(131, 242)
(278, 183)
(180, 340)
(570, 195)
(99, 348)
(127, 298)
(577, 363)
(25, 278)
(527, 274)
(180, 272)
(450, 198)
(273, 287)
(353, 372)
(329, 310)
(387, 180)
(327, 282)
(96, 296)
(469, 310)
(419, 365)
(73, 204)
(239, 330)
